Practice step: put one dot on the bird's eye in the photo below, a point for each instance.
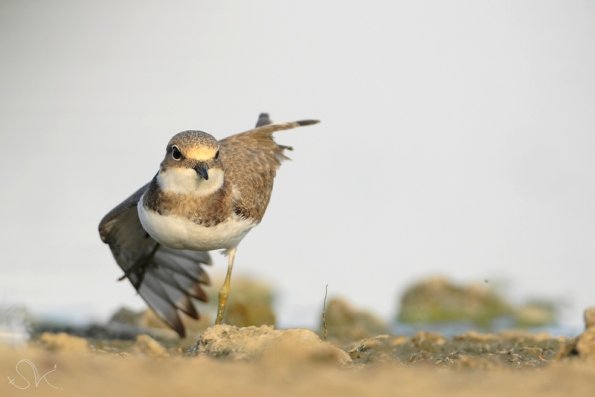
(175, 153)
(217, 155)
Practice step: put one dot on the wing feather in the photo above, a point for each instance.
(167, 279)
(250, 161)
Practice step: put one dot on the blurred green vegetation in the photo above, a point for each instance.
(344, 322)
(437, 300)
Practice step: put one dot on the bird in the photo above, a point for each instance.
(207, 195)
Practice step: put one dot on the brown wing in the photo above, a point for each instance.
(165, 278)
(250, 161)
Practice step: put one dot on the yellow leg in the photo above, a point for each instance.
(224, 291)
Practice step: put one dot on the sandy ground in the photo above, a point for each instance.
(92, 375)
(232, 362)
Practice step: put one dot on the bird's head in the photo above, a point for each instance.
(191, 164)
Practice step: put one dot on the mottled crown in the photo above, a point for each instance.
(197, 145)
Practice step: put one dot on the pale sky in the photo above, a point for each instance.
(457, 138)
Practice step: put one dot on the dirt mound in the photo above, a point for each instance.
(267, 344)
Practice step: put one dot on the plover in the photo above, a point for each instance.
(207, 195)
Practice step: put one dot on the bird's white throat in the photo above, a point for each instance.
(187, 181)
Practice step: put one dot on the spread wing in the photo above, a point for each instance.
(165, 278)
(250, 160)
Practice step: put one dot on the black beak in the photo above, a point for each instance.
(203, 171)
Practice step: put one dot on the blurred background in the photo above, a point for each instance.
(456, 140)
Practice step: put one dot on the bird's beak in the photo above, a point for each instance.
(202, 170)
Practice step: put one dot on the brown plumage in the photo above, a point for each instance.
(250, 162)
(202, 210)
(167, 278)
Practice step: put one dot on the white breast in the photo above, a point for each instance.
(181, 233)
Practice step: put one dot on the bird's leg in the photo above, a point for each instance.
(224, 291)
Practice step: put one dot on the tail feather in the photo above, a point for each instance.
(268, 129)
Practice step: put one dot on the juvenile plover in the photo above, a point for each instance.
(207, 195)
